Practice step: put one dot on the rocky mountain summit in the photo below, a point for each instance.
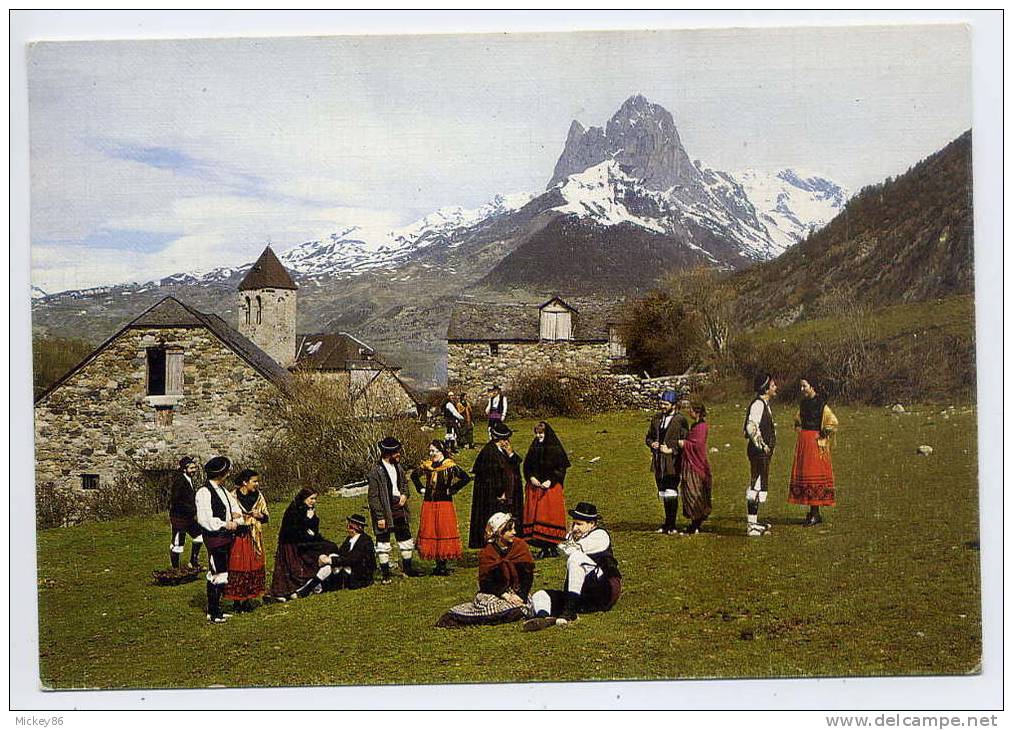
(625, 205)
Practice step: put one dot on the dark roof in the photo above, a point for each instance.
(267, 273)
(498, 322)
(170, 312)
(337, 351)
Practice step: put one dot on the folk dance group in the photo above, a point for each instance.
(229, 522)
(509, 515)
(681, 468)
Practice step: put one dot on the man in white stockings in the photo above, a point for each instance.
(761, 439)
(593, 581)
(219, 516)
(388, 505)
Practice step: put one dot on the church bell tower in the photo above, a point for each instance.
(267, 308)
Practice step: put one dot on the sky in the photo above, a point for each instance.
(154, 157)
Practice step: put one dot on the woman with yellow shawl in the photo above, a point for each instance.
(438, 479)
(812, 474)
(246, 561)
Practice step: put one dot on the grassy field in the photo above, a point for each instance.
(888, 585)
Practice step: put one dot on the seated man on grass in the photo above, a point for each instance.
(592, 583)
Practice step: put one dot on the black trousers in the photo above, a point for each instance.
(401, 528)
(759, 468)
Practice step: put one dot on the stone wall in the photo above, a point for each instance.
(101, 421)
(471, 367)
(631, 392)
(275, 334)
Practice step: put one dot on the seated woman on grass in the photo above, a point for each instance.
(506, 571)
(300, 546)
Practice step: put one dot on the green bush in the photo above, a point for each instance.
(543, 394)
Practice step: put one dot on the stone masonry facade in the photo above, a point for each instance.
(472, 367)
(102, 421)
(275, 332)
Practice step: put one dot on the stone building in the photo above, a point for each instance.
(173, 381)
(267, 308)
(489, 343)
(369, 380)
(178, 381)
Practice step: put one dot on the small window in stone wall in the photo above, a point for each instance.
(89, 481)
(494, 349)
(163, 415)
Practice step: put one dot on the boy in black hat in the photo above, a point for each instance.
(183, 513)
(219, 516)
(354, 564)
(388, 505)
(593, 581)
(761, 439)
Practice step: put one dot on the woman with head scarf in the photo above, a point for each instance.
(438, 479)
(498, 484)
(812, 474)
(545, 467)
(506, 571)
(246, 561)
(696, 470)
(300, 546)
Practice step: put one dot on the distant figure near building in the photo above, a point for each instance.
(498, 484)
(667, 428)
(812, 474)
(453, 419)
(183, 513)
(761, 439)
(496, 408)
(466, 440)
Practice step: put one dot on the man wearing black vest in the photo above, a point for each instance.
(759, 430)
(667, 428)
(388, 505)
(183, 513)
(219, 516)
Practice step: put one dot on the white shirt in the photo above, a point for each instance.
(205, 517)
(454, 412)
(594, 542)
(392, 473)
(666, 420)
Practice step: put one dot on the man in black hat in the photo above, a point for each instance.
(219, 515)
(593, 581)
(498, 483)
(388, 505)
(761, 439)
(496, 408)
(354, 564)
(183, 513)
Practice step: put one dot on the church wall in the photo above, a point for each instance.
(275, 333)
(102, 421)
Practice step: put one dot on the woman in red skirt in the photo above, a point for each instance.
(246, 561)
(545, 468)
(438, 479)
(812, 474)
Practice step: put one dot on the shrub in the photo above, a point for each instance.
(128, 495)
(54, 507)
(321, 442)
(662, 335)
(543, 394)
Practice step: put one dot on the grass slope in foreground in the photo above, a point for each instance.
(888, 585)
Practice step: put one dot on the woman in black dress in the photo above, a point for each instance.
(300, 546)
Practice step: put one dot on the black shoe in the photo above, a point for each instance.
(409, 570)
(307, 588)
(569, 611)
(539, 623)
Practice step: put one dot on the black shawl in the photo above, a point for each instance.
(296, 522)
(546, 459)
(496, 475)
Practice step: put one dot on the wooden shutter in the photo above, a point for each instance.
(174, 372)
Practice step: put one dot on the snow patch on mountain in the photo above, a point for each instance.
(792, 204)
(598, 193)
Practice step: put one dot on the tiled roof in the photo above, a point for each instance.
(267, 273)
(340, 351)
(170, 312)
(499, 322)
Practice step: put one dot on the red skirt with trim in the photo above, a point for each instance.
(544, 515)
(812, 474)
(246, 571)
(438, 537)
